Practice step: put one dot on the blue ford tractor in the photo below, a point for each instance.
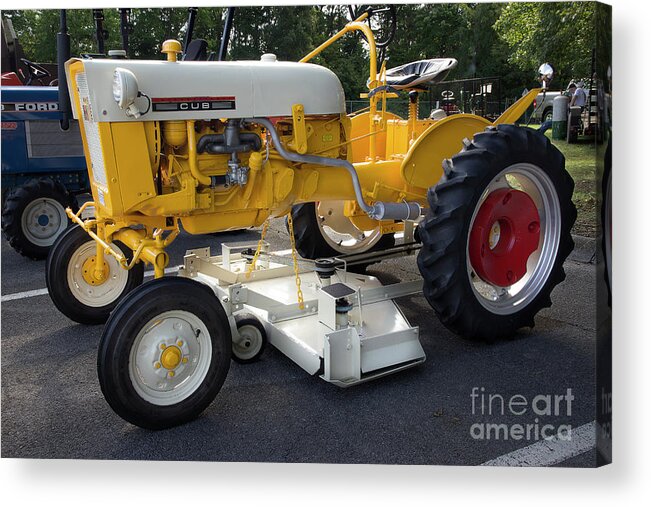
(43, 163)
(43, 167)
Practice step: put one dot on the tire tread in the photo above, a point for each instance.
(16, 201)
(442, 259)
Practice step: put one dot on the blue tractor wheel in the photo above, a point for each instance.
(33, 216)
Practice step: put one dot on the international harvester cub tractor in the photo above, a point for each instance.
(216, 146)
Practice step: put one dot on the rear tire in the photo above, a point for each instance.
(83, 302)
(165, 353)
(311, 240)
(606, 220)
(466, 264)
(34, 215)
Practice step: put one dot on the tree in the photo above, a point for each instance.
(562, 34)
(347, 57)
(509, 40)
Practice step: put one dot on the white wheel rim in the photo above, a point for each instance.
(249, 342)
(537, 184)
(99, 295)
(43, 220)
(152, 378)
(340, 233)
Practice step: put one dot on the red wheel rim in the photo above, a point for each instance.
(505, 232)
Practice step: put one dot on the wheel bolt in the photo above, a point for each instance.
(180, 343)
(184, 360)
(171, 374)
(162, 346)
(157, 365)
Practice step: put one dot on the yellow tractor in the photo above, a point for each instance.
(215, 146)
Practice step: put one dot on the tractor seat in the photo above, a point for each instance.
(419, 74)
(197, 51)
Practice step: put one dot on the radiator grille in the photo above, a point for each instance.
(91, 128)
(46, 139)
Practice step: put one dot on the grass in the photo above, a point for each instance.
(581, 163)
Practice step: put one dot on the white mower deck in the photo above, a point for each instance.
(350, 329)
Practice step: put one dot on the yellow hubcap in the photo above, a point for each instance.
(88, 271)
(171, 357)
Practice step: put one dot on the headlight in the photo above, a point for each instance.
(545, 73)
(125, 88)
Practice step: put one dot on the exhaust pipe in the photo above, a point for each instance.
(378, 211)
(63, 55)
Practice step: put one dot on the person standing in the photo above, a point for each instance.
(578, 95)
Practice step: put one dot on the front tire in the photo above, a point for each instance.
(34, 215)
(165, 353)
(68, 275)
(497, 233)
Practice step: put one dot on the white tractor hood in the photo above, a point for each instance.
(208, 90)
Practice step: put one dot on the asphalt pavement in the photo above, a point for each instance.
(272, 411)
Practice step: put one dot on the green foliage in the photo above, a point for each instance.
(581, 162)
(37, 29)
(562, 33)
(285, 31)
(509, 40)
(347, 58)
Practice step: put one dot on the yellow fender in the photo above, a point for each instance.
(422, 166)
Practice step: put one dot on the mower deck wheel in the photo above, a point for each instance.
(252, 340)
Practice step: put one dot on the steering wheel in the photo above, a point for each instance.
(35, 71)
(382, 21)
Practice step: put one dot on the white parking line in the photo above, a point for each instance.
(23, 295)
(41, 292)
(546, 453)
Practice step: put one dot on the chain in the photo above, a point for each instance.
(251, 267)
(299, 292)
